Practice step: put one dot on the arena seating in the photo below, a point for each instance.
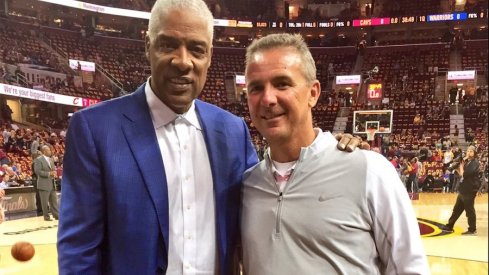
(342, 60)
(475, 116)
(408, 73)
(122, 58)
(409, 8)
(474, 55)
(20, 46)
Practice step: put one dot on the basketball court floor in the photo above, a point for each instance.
(448, 254)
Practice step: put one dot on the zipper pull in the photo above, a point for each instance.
(280, 197)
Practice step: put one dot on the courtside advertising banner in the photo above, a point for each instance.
(46, 96)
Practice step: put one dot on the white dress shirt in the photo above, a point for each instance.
(48, 159)
(192, 240)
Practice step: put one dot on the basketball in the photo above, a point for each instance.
(381, 129)
(22, 251)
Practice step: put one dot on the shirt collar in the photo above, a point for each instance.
(163, 115)
(322, 140)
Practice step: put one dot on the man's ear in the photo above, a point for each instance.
(315, 92)
(147, 45)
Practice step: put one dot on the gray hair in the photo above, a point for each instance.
(162, 7)
(281, 40)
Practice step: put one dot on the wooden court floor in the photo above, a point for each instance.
(451, 254)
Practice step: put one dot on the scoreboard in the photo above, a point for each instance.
(374, 91)
(332, 23)
(337, 23)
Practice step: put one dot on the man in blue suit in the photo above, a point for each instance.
(151, 181)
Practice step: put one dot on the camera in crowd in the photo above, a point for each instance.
(455, 164)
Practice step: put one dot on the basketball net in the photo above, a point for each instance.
(371, 134)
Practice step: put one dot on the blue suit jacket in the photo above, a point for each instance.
(114, 201)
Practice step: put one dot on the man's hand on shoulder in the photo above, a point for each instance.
(348, 143)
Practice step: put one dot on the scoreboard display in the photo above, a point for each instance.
(371, 22)
(337, 23)
(374, 91)
(332, 23)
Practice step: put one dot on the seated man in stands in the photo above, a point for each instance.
(427, 184)
(424, 153)
(4, 183)
(3, 158)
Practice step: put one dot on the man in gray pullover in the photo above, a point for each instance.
(307, 207)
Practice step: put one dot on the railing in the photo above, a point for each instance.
(20, 77)
(64, 55)
(112, 79)
(60, 52)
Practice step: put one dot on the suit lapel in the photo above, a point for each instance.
(141, 137)
(46, 162)
(51, 164)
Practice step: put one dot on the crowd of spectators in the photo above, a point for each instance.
(432, 169)
(21, 47)
(409, 76)
(18, 146)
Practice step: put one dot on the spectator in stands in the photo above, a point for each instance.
(461, 95)
(404, 169)
(4, 182)
(447, 183)
(457, 151)
(469, 169)
(424, 153)
(428, 183)
(453, 95)
(125, 161)
(478, 93)
(413, 168)
(417, 119)
(469, 136)
(455, 135)
(394, 161)
(6, 76)
(3, 158)
(421, 173)
(10, 172)
(437, 155)
(35, 146)
(62, 133)
(447, 143)
(282, 90)
(6, 112)
(447, 157)
(6, 135)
